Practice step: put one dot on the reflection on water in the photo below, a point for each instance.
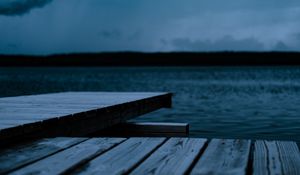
(231, 102)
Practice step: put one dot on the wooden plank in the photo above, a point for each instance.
(7, 123)
(174, 157)
(57, 107)
(16, 122)
(45, 106)
(122, 158)
(31, 116)
(96, 98)
(146, 129)
(113, 108)
(224, 157)
(276, 157)
(16, 157)
(64, 161)
(51, 110)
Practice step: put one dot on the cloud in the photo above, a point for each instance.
(281, 46)
(116, 25)
(110, 34)
(292, 44)
(20, 7)
(296, 41)
(225, 43)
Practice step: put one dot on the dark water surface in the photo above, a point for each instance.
(229, 102)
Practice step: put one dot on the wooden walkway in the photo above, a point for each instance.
(159, 155)
(55, 128)
(69, 114)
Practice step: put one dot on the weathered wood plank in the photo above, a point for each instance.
(84, 99)
(66, 160)
(157, 126)
(174, 157)
(41, 110)
(97, 98)
(16, 122)
(31, 116)
(48, 106)
(224, 157)
(146, 129)
(16, 157)
(112, 109)
(276, 157)
(122, 158)
(6, 125)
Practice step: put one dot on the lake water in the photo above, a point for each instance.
(224, 102)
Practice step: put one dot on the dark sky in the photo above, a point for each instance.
(63, 26)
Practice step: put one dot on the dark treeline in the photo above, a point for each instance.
(155, 59)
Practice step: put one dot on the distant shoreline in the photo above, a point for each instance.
(155, 59)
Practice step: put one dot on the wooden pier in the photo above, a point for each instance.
(87, 133)
(151, 155)
(72, 113)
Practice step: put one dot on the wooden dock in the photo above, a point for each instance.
(87, 133)
(155, 155)
(72, 113)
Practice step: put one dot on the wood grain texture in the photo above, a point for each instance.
(68, 114)
(276, 157)
(156, 126)
(224, 157)
(122, 158)
(146, 129)
(16, 157)
(102, 98)
(65, 160)
(174, 157)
